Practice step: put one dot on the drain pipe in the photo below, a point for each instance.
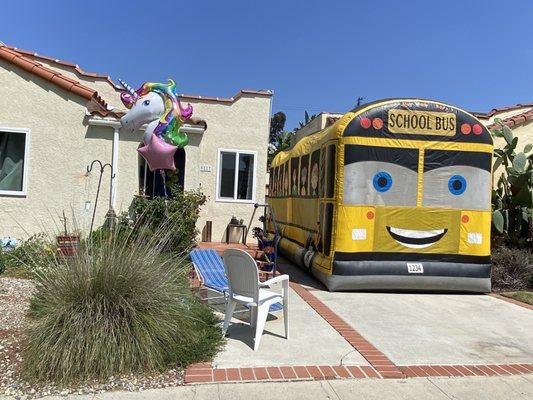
(115, 124)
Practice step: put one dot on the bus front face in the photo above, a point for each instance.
(415, 210)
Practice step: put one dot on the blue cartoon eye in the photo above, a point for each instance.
(457, 185)
(382, 181)
(146, 102)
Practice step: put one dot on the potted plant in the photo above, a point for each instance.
(257, 233)
(68, 244)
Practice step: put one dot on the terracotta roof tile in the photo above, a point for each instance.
(81, 72)
(495, 111)
(26, 60)
(52, 76)
(515, 119)
(73, 66)
(267, 93)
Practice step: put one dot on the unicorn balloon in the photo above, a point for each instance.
(157, 105)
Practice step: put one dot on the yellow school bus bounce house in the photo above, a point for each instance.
(394, 196)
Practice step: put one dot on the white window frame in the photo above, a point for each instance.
(24, 191)
(219, 175)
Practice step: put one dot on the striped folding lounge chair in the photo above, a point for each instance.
(209, 268)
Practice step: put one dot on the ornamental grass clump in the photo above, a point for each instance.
(121, 305)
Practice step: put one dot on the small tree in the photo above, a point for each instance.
(512, 198)
(277, 124)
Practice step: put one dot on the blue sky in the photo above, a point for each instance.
(316, 56)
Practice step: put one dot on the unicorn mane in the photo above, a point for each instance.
(174, 114)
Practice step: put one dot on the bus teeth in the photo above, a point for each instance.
(416, 234)
(416, 239)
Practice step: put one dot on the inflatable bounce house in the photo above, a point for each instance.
(394, 196)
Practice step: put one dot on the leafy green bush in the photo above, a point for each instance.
(30, 256)
(512, 269)
(121, 305)
(180, 211)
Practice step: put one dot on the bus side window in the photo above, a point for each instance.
(304, 175)
(294, 176)
(330, 174)
(279, 181)
(326, 219)
(314, 174)
(322, 173)
(276, 185)
(272, 183)
(286, 179)
(325, 226)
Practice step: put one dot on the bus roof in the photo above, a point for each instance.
(403, 119)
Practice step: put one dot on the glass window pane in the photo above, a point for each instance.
(11, 160)
(227, 175)
(245, 184)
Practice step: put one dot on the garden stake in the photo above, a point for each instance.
(102, 168)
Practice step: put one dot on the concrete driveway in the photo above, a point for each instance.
(312, 341)
(438, 329)
(347, 335)
(413, 329)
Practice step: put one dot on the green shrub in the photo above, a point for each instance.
(121, 305)
(30, 256)
(180, 210)
(512, 269)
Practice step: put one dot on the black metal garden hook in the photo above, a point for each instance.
(102, 168)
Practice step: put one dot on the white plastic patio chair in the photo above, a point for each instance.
(245, 288)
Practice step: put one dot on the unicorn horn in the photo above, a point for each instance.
(128, 88)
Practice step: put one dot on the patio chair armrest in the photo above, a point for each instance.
(279, 278)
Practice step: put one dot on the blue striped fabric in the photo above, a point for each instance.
(211, 268)
(209, 264)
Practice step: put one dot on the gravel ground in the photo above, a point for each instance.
(14, 297)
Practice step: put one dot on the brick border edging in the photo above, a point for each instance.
(413, 371)
(379, 361)
(205, 373)
(511, 300)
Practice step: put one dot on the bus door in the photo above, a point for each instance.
(328, 166)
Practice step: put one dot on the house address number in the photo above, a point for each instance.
(205, 168)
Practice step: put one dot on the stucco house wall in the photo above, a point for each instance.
(61, 146)
(63, 142)
(240, 125)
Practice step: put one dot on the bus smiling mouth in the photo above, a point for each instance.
(416, 239)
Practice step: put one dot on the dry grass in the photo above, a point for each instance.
(523, 296)
(122, 305)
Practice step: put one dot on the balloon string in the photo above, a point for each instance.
(162, 171)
